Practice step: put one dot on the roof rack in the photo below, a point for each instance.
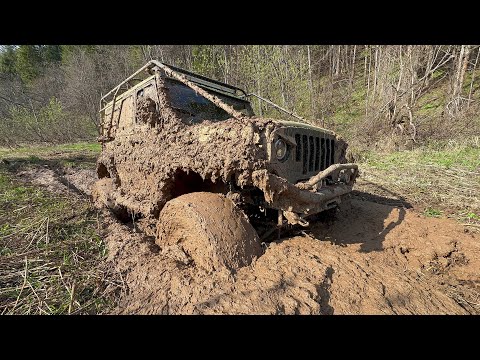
(197, 82)
(202, 81)
(211, 84)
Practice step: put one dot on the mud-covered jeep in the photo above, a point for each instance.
(185, 158)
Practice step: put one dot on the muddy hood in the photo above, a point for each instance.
(296, 124)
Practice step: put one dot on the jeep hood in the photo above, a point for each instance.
(296, 124)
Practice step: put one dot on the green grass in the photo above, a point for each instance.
(37, 151)
(464, 156)
(93, 147)
(79, 155)
(347, 112)
(473, 216)
(441, 179)
(430, 212)
(431, 104)
(51, 253)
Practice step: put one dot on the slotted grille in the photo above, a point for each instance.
(316, 153)
(305, 153)
(298, 152)
(311, 153)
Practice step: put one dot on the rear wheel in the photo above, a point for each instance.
(210, 230)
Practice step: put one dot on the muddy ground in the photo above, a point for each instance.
(376, 255)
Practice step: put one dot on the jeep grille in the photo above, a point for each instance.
(316, 153)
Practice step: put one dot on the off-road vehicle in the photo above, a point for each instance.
(185, 157)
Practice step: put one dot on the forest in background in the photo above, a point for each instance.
(376, 96)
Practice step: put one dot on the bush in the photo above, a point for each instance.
(49, 124)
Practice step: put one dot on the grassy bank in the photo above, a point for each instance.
(51, 255)
(439, 179)
(25, 152)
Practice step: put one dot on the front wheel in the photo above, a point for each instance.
(210, 230)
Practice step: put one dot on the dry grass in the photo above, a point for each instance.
(51, 256)
(467, 297)
(437, 181)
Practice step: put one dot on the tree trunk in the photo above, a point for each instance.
(397, 88)
(352, 71)
(312, 101)
(462, 63)
(368, 80)
(258, 80)
(375, 73)
(337, 61)
(473, 78)
(463, 69)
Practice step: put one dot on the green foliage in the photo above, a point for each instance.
(206, 60)
(135, 56)
(51, 123)
(68, 51)
(472, 216)
(7, 60)
(51, 53)
(438, 73)
(430, 212)
(28, 62)
(53, 112)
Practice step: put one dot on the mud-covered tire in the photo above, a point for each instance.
(210, 230)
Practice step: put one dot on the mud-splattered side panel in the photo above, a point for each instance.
(126, 118)
(148, 160)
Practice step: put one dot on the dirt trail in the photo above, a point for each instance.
(371, 259)
(62, 181)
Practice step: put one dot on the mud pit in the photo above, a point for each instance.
(386, 261)
(370, 259)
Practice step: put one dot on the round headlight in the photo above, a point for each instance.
(281, 149)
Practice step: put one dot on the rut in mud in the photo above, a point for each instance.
(372, 258)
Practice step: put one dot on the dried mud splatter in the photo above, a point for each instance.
(143, 162)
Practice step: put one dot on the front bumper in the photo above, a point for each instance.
(309, 197)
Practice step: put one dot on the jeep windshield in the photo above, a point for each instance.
(194, 108)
